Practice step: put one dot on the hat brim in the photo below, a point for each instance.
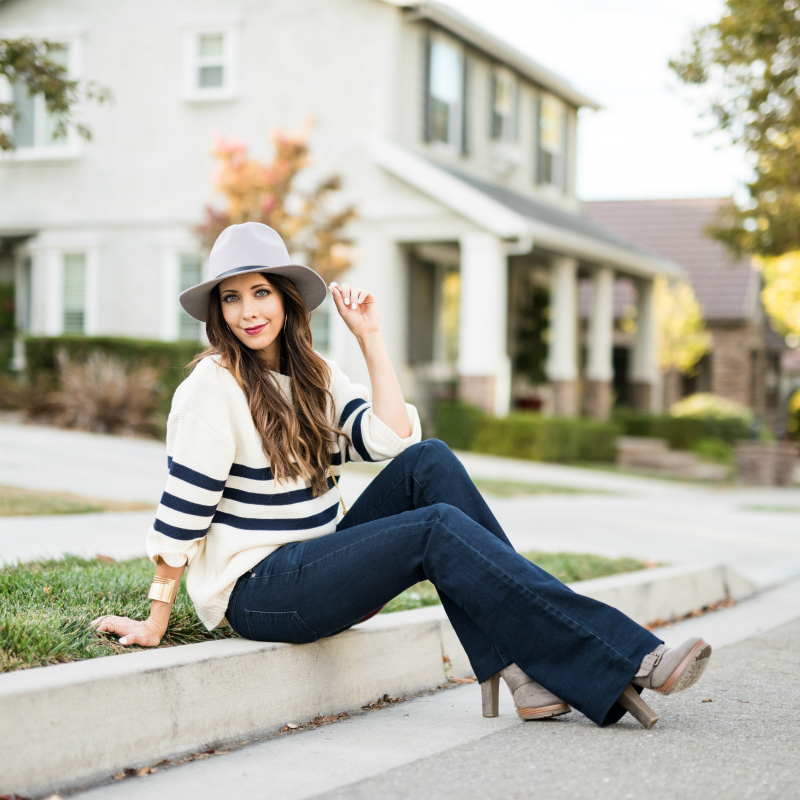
(310, 285)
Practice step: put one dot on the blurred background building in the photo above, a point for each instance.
(458, 151)
(744, 362)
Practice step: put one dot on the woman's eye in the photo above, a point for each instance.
(262, 292)
(228, 298)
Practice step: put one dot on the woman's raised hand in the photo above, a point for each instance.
(357, 307)
(131, 631)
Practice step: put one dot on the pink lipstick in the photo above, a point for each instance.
(256, 330)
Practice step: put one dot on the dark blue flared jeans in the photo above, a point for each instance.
(422, 518)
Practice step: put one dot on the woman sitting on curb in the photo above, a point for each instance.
(257, 436)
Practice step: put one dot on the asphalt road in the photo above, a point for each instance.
(743, 744)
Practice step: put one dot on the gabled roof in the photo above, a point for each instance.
(726, 288)
(510, 215)
(465, 29)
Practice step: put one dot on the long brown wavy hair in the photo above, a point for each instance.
(296, 438)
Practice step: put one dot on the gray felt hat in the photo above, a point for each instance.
(251, 247)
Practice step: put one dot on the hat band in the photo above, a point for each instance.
(235, 270)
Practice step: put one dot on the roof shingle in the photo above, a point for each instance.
(727, 289)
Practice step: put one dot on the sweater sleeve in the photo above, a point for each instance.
(372, 439)
(199, 460)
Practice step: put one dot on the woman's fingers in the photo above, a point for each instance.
(345, 290)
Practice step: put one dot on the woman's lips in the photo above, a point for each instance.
(256, 330)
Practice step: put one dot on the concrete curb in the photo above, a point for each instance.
(73, 725)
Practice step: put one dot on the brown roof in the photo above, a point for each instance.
(727, 289)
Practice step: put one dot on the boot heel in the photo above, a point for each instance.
(490, 696)
(632, 702)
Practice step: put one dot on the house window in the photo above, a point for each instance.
(504, 106)
(321, 329)
(211, 64)
(191, 273)
(74, 303)
(552, 139)
(36, 128)
(445, 94)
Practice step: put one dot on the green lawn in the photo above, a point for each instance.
(46, 607)
(15, 502)
(503, 488)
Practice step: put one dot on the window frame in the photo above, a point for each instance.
(68, 148)
(457, 122)
(560, 156)
(192, 62)
(500, 74)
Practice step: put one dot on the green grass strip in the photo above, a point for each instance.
(46, 606)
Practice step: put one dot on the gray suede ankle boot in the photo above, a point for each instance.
(666, 670)
(532, 700)
(672, 669)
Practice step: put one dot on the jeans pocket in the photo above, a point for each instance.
(278, 626)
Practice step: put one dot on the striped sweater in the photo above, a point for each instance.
(222, 512)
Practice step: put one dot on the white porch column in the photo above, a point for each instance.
(644, 368)
(600, 368)
(562, 362)
(483, 364)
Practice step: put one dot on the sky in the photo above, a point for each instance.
(644, 142)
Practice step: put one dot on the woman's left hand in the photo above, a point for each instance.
(357, 307)
(130, 631)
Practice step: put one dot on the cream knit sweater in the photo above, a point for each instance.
(222, 512)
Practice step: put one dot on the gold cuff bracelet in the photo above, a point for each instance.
(161, 589)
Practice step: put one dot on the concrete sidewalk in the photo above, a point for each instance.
(742, 744)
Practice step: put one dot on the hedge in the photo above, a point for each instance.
(526, 435)
(682, 433)
(170, 358)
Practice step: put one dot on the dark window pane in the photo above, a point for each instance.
(210, 77)
(545, 166)
(23, 129)
(440, 120)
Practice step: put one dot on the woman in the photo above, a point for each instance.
(256, 438)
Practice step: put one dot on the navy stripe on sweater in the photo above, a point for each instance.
(272, 524)
(276, 499)
(265, 473)
(349, 409)
(195, 478)
(358, 439)
(186, 507)
(253, 473)
(184, 534)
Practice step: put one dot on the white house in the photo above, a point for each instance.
(458, 150)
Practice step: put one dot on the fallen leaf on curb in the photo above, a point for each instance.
(126, 773)
(707, 701)
(473, 679)
(383, 702)
(144, 771)
(106, 559)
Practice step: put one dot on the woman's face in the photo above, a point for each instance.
(253, 309)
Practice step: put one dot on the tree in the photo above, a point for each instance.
(751, 59)
(781, 294)
(35, 64)
(682, 337)
(259, 192)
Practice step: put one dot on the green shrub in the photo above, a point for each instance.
(457, 423)
(168, 358)
(682, 432)
(717, 450)
(706, 405)
(525, 435)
